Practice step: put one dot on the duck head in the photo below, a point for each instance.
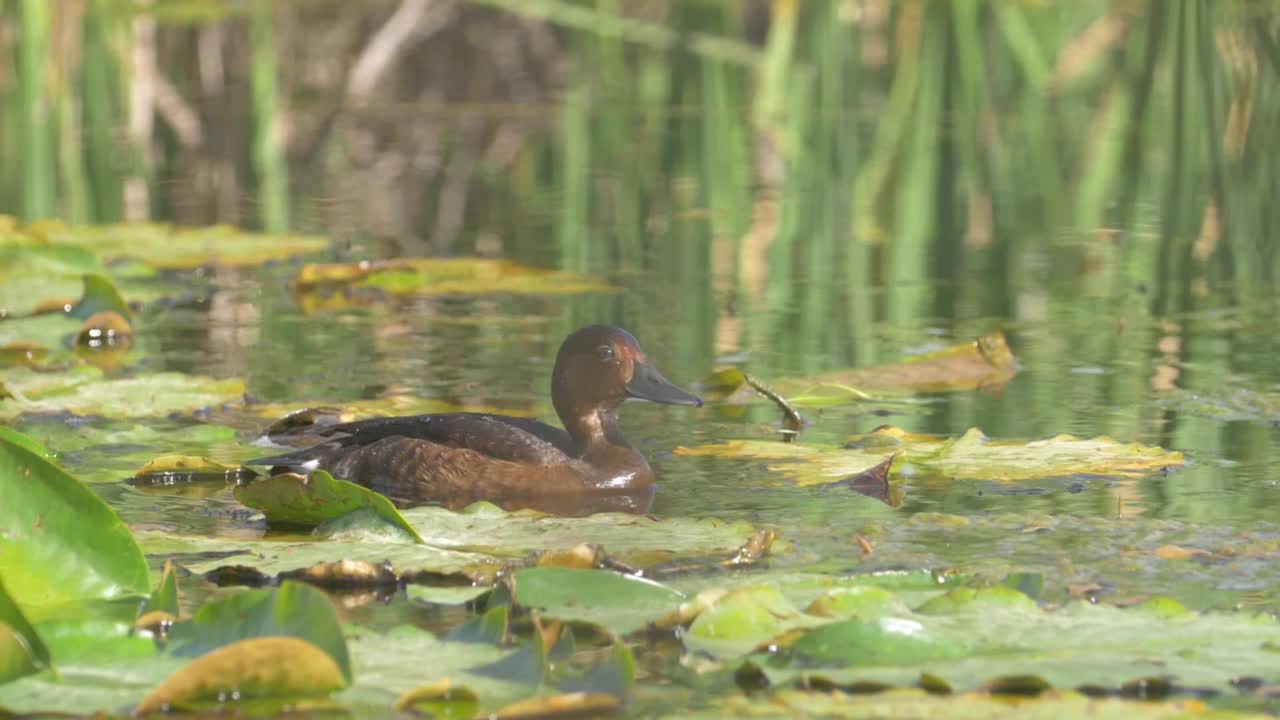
(597, 369)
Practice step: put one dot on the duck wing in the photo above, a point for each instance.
(502, 437)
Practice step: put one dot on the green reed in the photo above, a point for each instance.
(37, 142)
(268, 152)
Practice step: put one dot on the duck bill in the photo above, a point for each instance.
(648, 384)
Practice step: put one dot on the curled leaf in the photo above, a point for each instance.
(309, 500)
(443, 699)
(257, 667)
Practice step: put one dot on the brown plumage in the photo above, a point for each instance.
(458, 458)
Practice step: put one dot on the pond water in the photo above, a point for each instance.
(1121, 236)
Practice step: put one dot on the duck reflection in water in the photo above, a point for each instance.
(454, 459)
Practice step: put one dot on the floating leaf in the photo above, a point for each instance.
(913, 703)
(22, 354)
(86, 392)
(443, 699)
(620, 603)
(405, 657)
(738, 621)
(166, 247)
(292, 499)
(61, 541)
(442, 276)
(972, 456)
(985, 363)
(971, 638)
(257, 667)
(475, 543)
(292, 610)
(568, 705)
(183, 464)
(22, 652)
(31, 274)
(100, 295)
(446, 594)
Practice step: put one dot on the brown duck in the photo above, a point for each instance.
(458, 458)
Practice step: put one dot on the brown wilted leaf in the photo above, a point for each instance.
(561, 707)
(1177, 552)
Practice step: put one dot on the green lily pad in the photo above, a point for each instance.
(618, 602)
(292, 610)
(392, 664)
(62, 542)
(84, 391)
(739, 621)
(977, 638)
(31, 274)
(972, 456)
(166, 247)
(290, 499)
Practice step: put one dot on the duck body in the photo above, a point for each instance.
(457, 458)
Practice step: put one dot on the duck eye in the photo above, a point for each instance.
(605, 353)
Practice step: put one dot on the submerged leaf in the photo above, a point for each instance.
(972, 456)
(257, 667)
(61, 541)
(292, 499)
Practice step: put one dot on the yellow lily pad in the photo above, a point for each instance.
(443, 699)
(438, 276)
(985, 363)
(183, 464)
(257, 667)
(972, 456)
